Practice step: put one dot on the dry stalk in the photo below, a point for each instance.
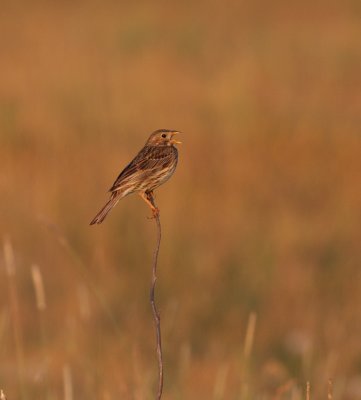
(220, 382)
(330, 390)
(249, 339)
(40, 299)
(156, 315)
(10, 269)
(67, 382)
(38, 288)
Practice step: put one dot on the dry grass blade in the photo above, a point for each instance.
(38, 287)
(330, 390)
(249, 339)
(15, 310)
(9, 257)
(68, 383)
(220, 382)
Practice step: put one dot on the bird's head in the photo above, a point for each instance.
(163, 137)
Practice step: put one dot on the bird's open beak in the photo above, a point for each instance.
(174, 141)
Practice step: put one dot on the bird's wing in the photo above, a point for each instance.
(149, 158)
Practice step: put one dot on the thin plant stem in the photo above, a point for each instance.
(156, 315)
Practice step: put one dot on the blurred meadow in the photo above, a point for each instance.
(259, 282)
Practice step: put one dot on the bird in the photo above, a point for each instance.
(151, 167)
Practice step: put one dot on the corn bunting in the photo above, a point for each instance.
(151, 167)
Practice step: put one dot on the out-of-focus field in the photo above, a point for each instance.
(259, 282)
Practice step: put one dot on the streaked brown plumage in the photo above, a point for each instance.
(150, 168)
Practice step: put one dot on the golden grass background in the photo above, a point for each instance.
(261, 222)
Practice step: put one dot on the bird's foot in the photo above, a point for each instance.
(155, 212)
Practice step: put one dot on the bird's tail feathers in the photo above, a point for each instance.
(99, 218)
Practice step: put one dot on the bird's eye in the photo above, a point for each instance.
(164, 135)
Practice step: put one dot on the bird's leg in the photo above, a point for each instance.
(149, 199)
